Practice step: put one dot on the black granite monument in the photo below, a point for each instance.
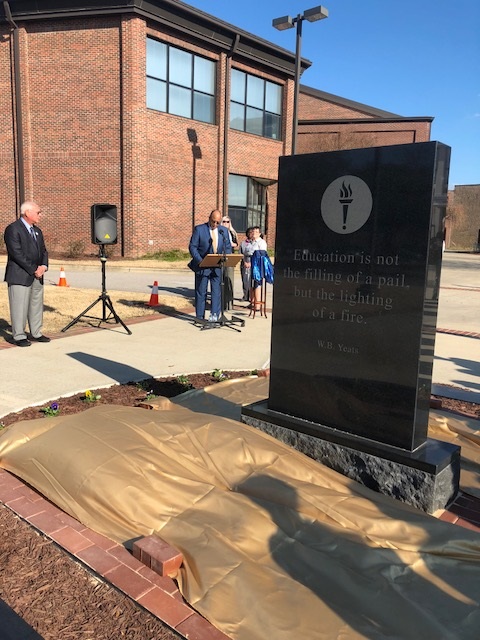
(357, 269)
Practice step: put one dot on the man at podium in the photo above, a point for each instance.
(208, 238)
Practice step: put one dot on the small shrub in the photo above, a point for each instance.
(172, 255)
(75, 249)
(218, 375)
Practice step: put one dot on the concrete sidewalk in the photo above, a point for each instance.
(168, 346)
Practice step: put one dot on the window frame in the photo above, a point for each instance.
(192, 108)
(244, 102)
(254, 210)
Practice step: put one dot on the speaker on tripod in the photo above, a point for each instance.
(104, 231)
(104, 223)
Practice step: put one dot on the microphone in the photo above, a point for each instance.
(221, 231)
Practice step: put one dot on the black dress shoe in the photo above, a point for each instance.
(22, 343)
(40, 339)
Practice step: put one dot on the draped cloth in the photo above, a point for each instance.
(262, 267)
(275, 544)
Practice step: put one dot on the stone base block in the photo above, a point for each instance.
(427, 478)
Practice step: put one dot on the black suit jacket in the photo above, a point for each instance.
(24, 254)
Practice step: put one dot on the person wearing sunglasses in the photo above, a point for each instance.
(230, 271)
(226, 222)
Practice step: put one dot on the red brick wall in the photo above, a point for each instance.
(330, 137)
(71, 107)
(350, 135)
(81, 147)
(462, 225)
(313, 108)
(7, 172)
(89, 138)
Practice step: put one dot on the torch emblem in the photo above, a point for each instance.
(345, 200)
(346, 204)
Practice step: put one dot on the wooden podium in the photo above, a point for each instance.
(222, 261)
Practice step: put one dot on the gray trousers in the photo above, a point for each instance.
(26, 303)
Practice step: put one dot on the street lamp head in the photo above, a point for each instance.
(317, 13)
(286, 22)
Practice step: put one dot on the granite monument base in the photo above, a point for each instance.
(427, 478)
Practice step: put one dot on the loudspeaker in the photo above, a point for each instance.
(104, 223)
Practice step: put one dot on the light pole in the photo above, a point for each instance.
(287, 22)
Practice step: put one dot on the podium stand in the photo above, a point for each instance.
(222, 260)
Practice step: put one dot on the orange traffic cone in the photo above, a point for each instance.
(63, 280)
(154, 295)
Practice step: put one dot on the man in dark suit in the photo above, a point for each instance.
(27, 262)
(209, 237)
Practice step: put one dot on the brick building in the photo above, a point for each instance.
(161, 110)
(462, 224)
(328, 123)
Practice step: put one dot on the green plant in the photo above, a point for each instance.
(144, 385)
(52, 410)
(218, 375)
(90, 396)
(184, 381)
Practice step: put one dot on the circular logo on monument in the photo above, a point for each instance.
(346, 204)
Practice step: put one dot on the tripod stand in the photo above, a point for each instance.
(223, 260)
(104, 298)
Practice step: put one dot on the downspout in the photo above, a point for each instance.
(226, 123)
(122, 139)
(17, 107)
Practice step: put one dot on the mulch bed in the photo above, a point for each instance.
(460, 407)
(59, 598)
(46, 587)
(131, 395)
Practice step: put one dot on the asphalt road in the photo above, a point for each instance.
(459, 300)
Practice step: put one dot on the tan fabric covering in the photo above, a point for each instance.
(275, 545)
(464, 432)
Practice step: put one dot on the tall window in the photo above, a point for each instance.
(255, 105)
(180, 82)
(246, 203)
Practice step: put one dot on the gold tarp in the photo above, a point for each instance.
(276, 545)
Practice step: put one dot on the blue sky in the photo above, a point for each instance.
(413, 58)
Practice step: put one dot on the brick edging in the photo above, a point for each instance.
(456, 332)
(111, 561)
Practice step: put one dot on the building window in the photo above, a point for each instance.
(255, 105)
(180, 82)
(246, 203)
